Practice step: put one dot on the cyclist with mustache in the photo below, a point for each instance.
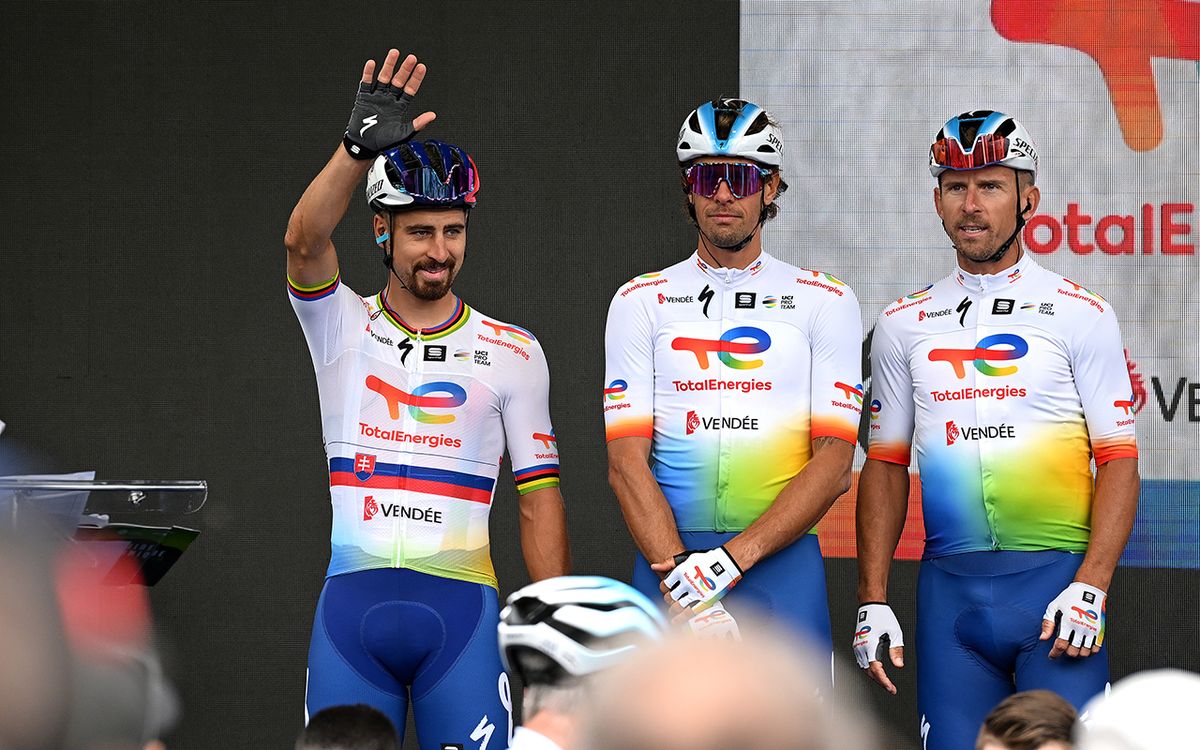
(733, 393)
(420, 397)
(1009, 381)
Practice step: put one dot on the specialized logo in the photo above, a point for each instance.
(519, 335)
(692, 422)
(364, 466)
(962, 309)
(405, 347)
(370, 508)
(999, 347)
(547, 440)
(731, 342)
(453, 396)
(1122, 37)
(616, 390)
(705, 296)
(369, 122)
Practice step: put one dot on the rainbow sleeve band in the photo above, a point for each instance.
(536, 478)
(316, 291)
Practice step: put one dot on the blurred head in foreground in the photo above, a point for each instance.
(1152, 710)
(692, 694)
(357, 727)
(1030, 720)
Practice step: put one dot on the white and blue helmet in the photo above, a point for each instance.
(982, 138)
(571, 626)
(751, 135)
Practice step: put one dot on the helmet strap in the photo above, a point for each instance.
(388, 254)
(996, 256)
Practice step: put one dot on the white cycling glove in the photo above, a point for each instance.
(715, 622)
(1081, 608)
(876, 631)
(701, 578)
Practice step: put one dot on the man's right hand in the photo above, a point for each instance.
(876, 624)
(379, 120)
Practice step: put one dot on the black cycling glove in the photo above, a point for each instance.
(378, 121)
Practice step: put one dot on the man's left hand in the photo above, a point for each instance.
(1080, 609)
(700, 578)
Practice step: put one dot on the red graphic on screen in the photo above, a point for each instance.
(1121, 36)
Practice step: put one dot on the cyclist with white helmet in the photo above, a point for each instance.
(733, 392)
(555, 634)
(1009, 381)
(421, 395)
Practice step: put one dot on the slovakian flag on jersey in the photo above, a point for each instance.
(364, 466)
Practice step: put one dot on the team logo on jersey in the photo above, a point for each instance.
(916, 295)
(851, 393)
(370, 508)
(520, 335)
(770, 301)
(701, 581)
(999, 347)
(364, 466)
(731, 342)
(1003, 306)
(952, 432)
(828, 282)
(439, 395)
(692, 423)
(616, 390)
(955, 433)
(705, 296)
(547, 440)
(744, 300)
(1126, 405)
(876, 407)
(664, 299)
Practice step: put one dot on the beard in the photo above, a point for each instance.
(430, 291)
(729, 235)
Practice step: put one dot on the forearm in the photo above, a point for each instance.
(802, 503)
(882, 504)
(544, 534)
(1114, 506)
(646, 511)
(324, 204)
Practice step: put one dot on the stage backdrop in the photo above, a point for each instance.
(1109, 91)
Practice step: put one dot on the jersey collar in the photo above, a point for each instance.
(457, 320)
(984, 283)
(730, 277)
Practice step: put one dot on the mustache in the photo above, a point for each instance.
(433, 266)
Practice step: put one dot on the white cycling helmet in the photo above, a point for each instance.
(750, 136)
(982, 138)
(571, 626)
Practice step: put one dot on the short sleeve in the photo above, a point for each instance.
(1102, 380)
(892, 405)
(528, 432)
(332, 316)
(628, 370)
(836, 398)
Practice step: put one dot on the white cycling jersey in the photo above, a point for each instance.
(415, 425)
(1013, 383)
(731, 374)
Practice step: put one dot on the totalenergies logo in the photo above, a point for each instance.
(547, 439)
(616, 390)
(1122, 36)
(519, 335)
(851, 391)
(1126, 406)
(999, 347)
(1087, 614)
(451, 396)
(734, 341)
(703, 580)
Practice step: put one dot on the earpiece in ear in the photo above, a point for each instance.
(382, 238)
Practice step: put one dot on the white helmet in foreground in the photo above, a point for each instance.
(750, 136)
(1145, 711)
(571, 626)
